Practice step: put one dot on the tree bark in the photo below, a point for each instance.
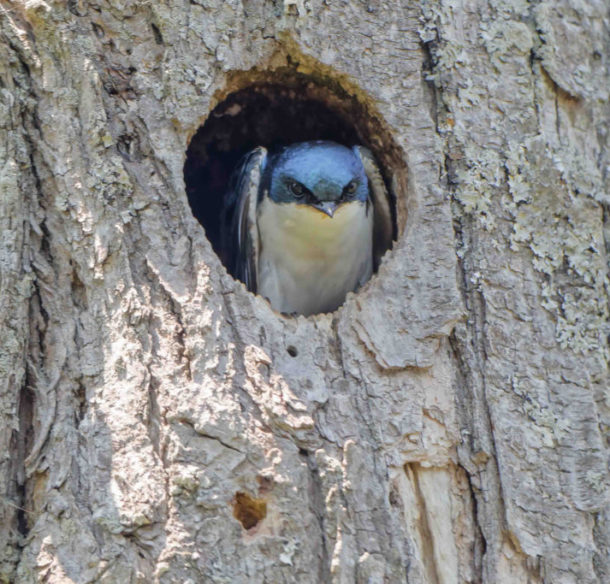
(448, 424)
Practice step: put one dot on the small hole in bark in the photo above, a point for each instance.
(265, 484)
(394, 497)
(157, 34)
(77, 7)
(248, 510)
(98, 30)
(81, 402)
(281, 109)
(292, 350)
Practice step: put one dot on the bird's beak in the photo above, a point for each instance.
(327, 207)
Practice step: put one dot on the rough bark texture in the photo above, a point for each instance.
(448, 424)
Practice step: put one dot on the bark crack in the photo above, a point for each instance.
(23, 439)
(317, 509)
(480, 543)
(191, 425)
(425, 531)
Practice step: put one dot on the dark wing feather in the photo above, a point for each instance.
(243, 196)
(383, 226)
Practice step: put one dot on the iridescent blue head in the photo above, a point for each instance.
(321, 174)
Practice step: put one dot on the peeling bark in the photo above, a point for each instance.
(448, 424)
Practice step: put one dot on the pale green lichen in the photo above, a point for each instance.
(554, 193)
(186, 481)
(506, 37)
(562, 224)
(547, 425)
(478, 182)
(596, 480)
(574, 61)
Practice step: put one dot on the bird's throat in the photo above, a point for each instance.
(306, 229)
(308, 260)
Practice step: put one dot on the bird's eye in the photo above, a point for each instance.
(350, 188)
(297, 189)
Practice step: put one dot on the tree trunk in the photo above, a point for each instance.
(448, 424)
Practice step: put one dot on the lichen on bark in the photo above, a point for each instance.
(161, 424)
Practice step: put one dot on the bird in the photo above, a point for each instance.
(308, 224)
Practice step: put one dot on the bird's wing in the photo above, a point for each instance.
(383, 227)
(245, 230)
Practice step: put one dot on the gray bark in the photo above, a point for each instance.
(448, 424)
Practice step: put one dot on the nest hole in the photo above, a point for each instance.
(248, 510)
(274, 113)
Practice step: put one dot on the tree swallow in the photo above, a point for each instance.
(309, 224)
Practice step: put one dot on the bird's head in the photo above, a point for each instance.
(323, 175)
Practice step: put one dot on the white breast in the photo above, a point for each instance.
(308, 261)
